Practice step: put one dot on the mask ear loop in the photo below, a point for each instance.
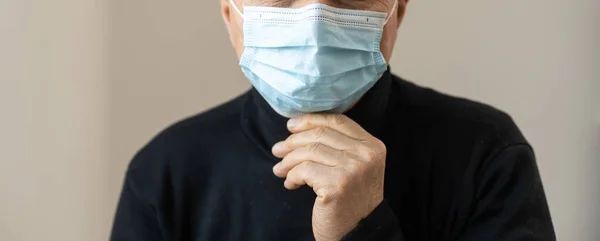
(237, 9)
(390, 13)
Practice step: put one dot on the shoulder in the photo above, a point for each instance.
(214, 120)
(171, 149)
(196, 130)
(458, 116)
(460, 136)
(469, 153)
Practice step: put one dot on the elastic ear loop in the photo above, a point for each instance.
(236, 9)
(390, 13)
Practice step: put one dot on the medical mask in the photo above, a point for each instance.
(316, 58)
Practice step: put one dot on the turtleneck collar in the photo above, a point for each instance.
(266, 127)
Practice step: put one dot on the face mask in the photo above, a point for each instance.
(312, 59)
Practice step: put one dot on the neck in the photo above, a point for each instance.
(269, 127)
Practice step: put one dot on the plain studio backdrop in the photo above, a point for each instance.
(85, 83)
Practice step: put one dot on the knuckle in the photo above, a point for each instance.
(291, 139)
(377, 151)
(314, 147)
(337, 119)
(310, 118)
(292, 175)
(380, 145)
(356, 167)
(326, 195)
(343, 182)
(303, 167)
(284, 164)
(299, 172)
(371, 155)
(368, 153)
(342, 155)
(306, 169)
(320, 132)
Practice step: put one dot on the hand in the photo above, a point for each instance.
(343, 164)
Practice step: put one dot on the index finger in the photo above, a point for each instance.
(338, 122)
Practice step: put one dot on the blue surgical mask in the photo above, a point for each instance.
(316, 58)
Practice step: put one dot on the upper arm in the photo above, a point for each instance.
(135, 220)
(510, 200)
(138, 211)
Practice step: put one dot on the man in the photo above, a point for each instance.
(328, 145)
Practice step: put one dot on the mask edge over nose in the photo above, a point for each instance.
(389, 14)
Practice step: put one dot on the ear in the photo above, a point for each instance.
(401, 10)
(226, 12)
(233, 22)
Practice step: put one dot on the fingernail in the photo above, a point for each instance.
(278, 146)
(293, 123)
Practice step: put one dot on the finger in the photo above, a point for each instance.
(338, 122)
(323, 135)
(308, 173)
(316, 152)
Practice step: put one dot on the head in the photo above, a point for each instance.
(234, 21)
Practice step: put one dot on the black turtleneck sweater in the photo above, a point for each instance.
(455, 170)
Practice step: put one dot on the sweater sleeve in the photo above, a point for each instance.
(134, 220)
(510, 200)
(510, 205)
(137, 217)
(381, 224)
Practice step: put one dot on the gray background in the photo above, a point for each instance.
(84, 84)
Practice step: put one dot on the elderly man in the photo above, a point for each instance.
(329, 145)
